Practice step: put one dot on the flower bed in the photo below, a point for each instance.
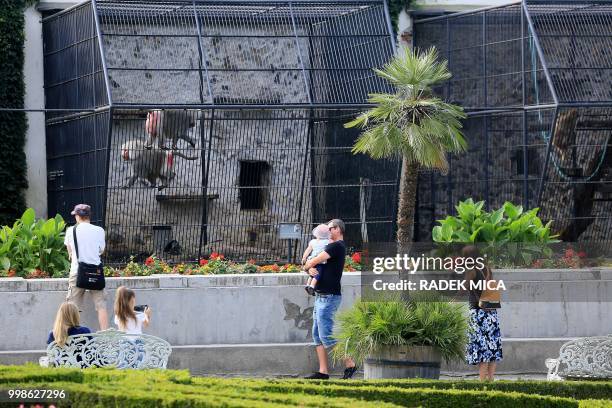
(215, 264)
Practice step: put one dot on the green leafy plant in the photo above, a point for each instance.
(13, 125)
(423, 320)
(34, 245)
(512, 236)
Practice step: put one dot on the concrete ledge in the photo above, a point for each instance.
(524, 355)
(515, 276)
(13, 285)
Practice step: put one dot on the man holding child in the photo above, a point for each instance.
(328, 296)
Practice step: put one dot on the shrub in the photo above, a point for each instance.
(146, 388)
(34, 248)
(427, 320)
(512, 236)
(567, 389)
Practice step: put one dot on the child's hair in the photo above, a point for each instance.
(321, 231)
(123, 311)
(67, 317)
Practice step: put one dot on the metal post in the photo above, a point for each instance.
(107, 164)
(205, 173)
(449, 189)
(548, 149)
(94, 8)
(299, 52)
(536, 41)
(306, 150)
(484, 57)
(288, 251)
(389, 25)
(525, 164)
(486, 163)
(202, 55)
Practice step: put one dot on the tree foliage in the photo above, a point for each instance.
(13, 125)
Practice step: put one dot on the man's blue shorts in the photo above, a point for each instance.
(323, 315)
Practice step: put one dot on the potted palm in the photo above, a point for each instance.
(395, 338)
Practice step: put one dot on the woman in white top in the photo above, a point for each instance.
(126, 318)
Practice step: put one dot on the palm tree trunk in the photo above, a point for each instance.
(406, 206)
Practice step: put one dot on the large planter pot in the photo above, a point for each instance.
(403, 362)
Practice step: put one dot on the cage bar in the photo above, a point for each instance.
(535, 79)
(199, 126)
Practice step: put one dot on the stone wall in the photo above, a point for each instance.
(213, 322)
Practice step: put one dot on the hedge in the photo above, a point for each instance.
(172, 388)
(569, 389)
(418, 396)
(13, 125)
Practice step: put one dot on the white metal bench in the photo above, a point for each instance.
(587, 357)
(109, 348)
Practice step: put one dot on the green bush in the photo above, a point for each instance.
(567, 389)
(595, 404)
(170, 388)
(424, 397)
(34, 248)
(426, 320)
(511, 235)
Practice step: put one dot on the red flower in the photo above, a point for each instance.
(221, 256)
(149, 261)
(356, 257)
(203, 262)
(11, 273)
(581, 254)
(251, 261)
(569, 253)
(214, 255)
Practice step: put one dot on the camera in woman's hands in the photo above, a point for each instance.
(140, 308)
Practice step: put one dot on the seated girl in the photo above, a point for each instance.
(67, 323)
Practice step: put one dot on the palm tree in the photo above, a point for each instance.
(411, 124)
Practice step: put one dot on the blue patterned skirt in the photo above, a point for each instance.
(484, 343)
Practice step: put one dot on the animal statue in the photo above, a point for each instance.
(169, 124)
(149, 165)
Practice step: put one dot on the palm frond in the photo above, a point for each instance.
(411, 122)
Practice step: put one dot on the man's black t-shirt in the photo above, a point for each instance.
(329, 281)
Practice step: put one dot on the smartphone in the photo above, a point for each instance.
(140, 308)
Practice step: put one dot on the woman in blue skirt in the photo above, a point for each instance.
(484, 346)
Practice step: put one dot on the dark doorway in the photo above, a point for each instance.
(252, 176)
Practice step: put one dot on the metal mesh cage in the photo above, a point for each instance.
(535, 79)
(194, 126)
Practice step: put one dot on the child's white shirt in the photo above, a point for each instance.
(134, 326)
(318, 246)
